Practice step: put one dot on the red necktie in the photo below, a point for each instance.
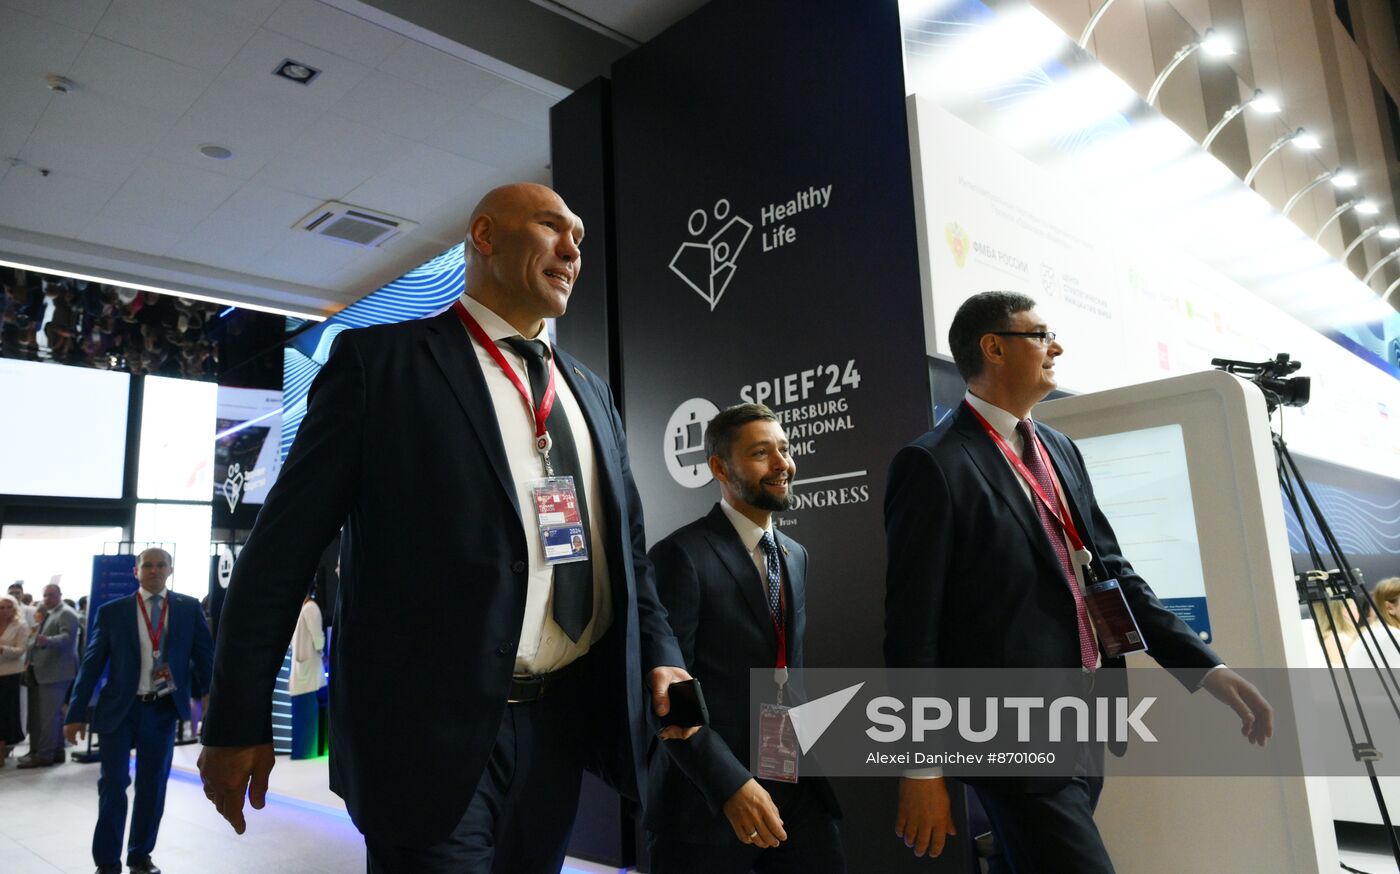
(1088, 651)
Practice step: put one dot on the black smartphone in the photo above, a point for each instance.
(687, 705)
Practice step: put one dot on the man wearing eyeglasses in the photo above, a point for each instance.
(992, 529)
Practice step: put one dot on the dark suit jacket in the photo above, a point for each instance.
(400, 444)
(973, 581)
(116, 648)
(714, 599)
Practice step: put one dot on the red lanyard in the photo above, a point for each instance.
(1057, 509)
(154, 633)
(540, 414)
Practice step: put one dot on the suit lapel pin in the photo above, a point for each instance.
(783, 547)
(578, 372)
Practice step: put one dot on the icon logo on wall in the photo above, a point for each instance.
(233, 486)
(225, 566)
(708, 266)
(958, 242)
(683, 443)
(1049, 280)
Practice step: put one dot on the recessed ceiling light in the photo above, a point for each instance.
(216, 152)
(296, 71)
(59, 84)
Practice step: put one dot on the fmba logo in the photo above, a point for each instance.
(708, 266)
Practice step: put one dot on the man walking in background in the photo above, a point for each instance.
(53, 662)
(157, 652)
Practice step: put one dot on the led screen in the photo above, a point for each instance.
(64, 432)
(177, 440)
(245, 444)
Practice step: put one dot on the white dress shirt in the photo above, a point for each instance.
(751, 535)
(143, 685)
(543, 645)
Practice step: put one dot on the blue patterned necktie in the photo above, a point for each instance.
(775, 576)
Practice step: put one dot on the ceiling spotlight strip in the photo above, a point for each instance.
(1358, 203)
(1376, 268)
(1360, 238)
(1093, 23)
(1300, 137)
(1340, 178)
(1215, 44)
(1385, 298)
(1259, 100)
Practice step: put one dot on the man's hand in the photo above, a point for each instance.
(659, 680)
(74, 730)
(925, 818)
(1256, 716)
(41, 640)
(230, 772)
(754, 817)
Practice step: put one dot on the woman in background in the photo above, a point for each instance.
(1386, 594)
(14, 636)
(308, 676)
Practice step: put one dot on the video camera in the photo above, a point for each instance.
(1272, 377)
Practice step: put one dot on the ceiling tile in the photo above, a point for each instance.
(162, 86)
(492, 139)
(188, 33)
(335, 31)
(123, 233)
(244, 227)
(256, 11)
(22, 104)
(92, 136)
(331, 157)
(440, 72)
(255, 127)
(311, 260)
(397, 105)
(169, 196)
(80, 15)
(58, 204)
(252, 70)
(31, 47)
(520, 103)
(424, 181)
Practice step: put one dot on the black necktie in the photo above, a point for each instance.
(573, 582)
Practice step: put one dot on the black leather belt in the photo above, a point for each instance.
(147, 697)
(532, 687)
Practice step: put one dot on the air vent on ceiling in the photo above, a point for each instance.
(353, 225)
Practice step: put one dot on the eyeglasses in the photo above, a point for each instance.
(1044, 338)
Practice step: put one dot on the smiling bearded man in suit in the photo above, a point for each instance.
(735, 591)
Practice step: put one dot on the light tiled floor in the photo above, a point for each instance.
(47, 816)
